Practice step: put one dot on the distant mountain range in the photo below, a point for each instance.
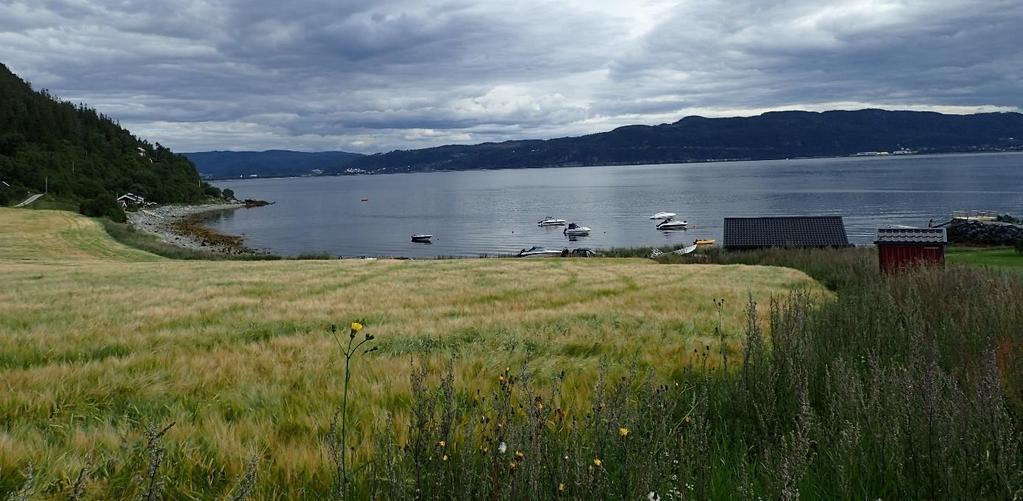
(271, 163)
(773, 135)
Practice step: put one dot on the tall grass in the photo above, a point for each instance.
(906, 387)
(596, 378)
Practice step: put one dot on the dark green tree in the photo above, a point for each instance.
(104, 205)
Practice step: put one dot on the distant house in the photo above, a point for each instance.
(901, 248)
(129, 200)
(790, 231)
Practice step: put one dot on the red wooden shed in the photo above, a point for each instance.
(900, 248)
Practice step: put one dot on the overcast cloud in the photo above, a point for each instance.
(378, 75)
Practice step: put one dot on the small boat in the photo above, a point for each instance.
(575, 230)
(685, 250)
(551, 221)
(422, 238)
(706, 241)
(663, 215)
(364, 199)
(671, 224)
(536, 251)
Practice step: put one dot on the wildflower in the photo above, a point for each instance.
(597, 462)
(561, 487)
(513, 465)
(520, 455)
(687, 418)
(623, 432)
(502, 448)
(442, 443)
(652, 496)
(356, 327)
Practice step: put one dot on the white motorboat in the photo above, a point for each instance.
(575, 230)
(536, 251)
(422, 238)
(551, 221)
(671, 224)
(663, 215)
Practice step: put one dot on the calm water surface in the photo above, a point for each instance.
(495, 212)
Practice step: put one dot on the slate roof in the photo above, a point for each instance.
(791, 231)
(926, 236)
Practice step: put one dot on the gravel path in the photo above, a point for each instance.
(159, 221)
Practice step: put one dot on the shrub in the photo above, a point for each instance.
(1019, 246)
(104, 205)
(228, 193)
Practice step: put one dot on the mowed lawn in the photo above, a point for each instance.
(98, 340)
(996, 257)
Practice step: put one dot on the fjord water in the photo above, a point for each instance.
(495, 211)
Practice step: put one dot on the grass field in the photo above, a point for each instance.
(995, 257)
(98, 340)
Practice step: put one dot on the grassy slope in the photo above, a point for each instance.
(97, 339)
(997, 257)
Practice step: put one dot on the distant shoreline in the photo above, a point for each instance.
(705, 161)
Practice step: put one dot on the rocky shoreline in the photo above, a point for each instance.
(984, 232)
(181, 226)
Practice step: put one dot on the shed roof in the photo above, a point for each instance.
(928, 236)
(788, 231)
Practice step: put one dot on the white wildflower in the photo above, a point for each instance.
(502, 448)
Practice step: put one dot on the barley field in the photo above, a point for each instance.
(99, 341)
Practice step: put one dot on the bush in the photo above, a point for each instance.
(1019, 246)
(104, 205)
(228, 193)
(6, 196)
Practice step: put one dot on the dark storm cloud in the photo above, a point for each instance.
(371, 76)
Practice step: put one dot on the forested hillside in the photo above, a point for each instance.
(774, 135)
(80, 155)
(271, 163)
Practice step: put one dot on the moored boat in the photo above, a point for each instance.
(575, 230)
(537, 251)
(422, 238)
(551, 221)
(671, 224)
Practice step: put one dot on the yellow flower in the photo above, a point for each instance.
(520, 455)
(442, 443)
(514, 465)
(597, 462)
(687, 418)
(561, 487)
(356, 327)
(623, 432)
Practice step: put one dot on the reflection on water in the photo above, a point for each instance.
(495, 212)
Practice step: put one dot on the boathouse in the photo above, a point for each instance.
(130, 200)
(901, 248)
(744, 233)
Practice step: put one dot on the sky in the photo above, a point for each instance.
(373, 76)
